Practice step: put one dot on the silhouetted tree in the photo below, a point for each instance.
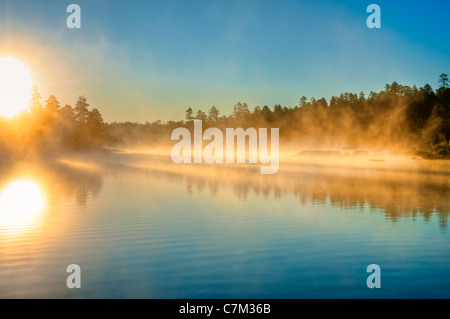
(267, 113)
(213, 115)
(240, 110)
(95, 126)
(67, 113)
(443, 80)
(303, 101)
(188, 115)
(52, 105)
(200, 115)
(95, 118)
(81, 110)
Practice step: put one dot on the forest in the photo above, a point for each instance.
(398, 117)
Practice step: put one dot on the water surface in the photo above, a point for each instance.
(142, 227)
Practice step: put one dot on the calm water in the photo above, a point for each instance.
(141, 227)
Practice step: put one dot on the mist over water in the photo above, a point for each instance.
(106, 153)
(141, 226)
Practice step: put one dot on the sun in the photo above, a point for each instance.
(15, 86)
(21, 202)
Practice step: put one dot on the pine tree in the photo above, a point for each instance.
(240, 110)
(52, 105)
(81, 110)
(188, 115)
(95, 118)
(443, 79)
(213, 115)
(201, 115)
(67, 112)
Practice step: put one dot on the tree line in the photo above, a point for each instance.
(50, 128)
(398, 116)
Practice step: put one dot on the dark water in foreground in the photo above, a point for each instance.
(142, 227)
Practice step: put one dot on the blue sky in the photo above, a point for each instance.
(147, 60)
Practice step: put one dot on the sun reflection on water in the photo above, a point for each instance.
(21, 205)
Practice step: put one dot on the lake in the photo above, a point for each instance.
(140, 226)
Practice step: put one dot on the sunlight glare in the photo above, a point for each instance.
(15, 86)
(20, 203)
